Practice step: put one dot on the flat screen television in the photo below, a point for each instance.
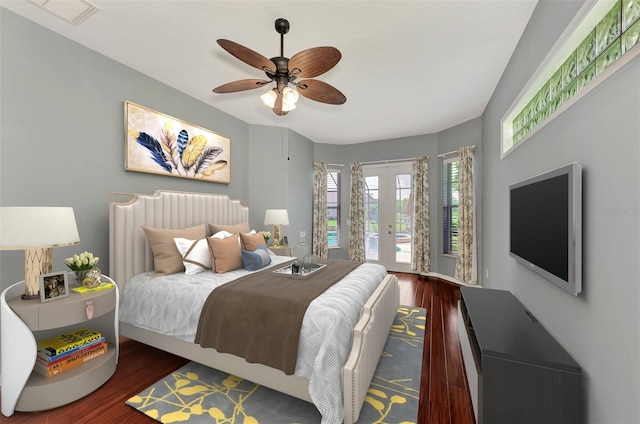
(546, 225)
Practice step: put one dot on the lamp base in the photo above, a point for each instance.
(30, 296)
(276, 235)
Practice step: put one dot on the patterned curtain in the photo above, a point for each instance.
(466, 261)
(421, 260)
(356, 214)
(320, 242)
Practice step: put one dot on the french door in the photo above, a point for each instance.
(388, 215)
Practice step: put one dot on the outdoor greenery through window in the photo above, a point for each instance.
(333, 208)
(607, 39)
(450, 206)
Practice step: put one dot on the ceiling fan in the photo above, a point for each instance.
(308, 63)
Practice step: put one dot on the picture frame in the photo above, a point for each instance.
(285, 241)
(157, 143)
(54, 286)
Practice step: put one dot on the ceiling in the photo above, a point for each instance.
(407, 67)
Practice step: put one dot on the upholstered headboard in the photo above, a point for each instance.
(129, 251)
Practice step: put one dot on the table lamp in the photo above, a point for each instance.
(276, 217)
(36, 230)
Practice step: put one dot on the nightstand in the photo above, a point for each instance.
(26, 321)
(282, 250)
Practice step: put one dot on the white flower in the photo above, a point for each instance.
(82, 262)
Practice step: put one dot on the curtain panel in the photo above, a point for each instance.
(356, 213)
(320, 238)
(421, 260)
(466, 269)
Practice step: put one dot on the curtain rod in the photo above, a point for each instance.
(386, 161)
(441, 155)
(336, 164)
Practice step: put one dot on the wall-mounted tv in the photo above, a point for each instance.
(546, 225)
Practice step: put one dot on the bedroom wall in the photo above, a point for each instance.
(400, 148)
(63, 134)
(599, 328)
(467, 133)
(281, 177)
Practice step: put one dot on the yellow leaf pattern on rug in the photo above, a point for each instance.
(189, 394)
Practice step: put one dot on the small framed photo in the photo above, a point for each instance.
(285, 241)
(54, 286)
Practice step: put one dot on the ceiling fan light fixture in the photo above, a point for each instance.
(289, 96)
(269, 98)
(287, 107)
(282, 70)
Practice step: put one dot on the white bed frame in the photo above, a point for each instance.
(129, 255)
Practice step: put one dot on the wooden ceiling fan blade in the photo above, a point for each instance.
(313, 62)
(248, 56)
(320, 92)
(241, 85)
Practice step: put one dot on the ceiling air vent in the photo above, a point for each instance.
(72, 11)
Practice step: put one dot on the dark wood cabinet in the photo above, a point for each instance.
(517, 372)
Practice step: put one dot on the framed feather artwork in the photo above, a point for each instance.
(161, 144)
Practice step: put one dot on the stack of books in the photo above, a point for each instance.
(102, 286)
(66, 351)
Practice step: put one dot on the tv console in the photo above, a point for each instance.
(517, 372)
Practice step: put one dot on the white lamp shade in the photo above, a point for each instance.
(269, 98)
(276, 217)
(289, 97)
(37, 227)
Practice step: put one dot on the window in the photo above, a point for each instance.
(450, 206)
(333, 208)
(590, 52)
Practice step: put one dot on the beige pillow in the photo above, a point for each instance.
(166, 257)
(225, 253)
(237, 228)
(252, 241)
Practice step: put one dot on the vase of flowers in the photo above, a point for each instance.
(267, 236)
(81, 264)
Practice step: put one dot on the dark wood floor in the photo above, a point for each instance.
(444, 397)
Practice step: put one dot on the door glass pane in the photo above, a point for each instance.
(371, 218)
(403, 218)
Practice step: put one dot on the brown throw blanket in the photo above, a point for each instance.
(259, 316)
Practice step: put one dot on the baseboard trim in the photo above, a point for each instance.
(449, 279)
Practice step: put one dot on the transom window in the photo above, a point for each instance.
(606, 36)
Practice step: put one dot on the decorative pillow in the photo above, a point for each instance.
(166, 257)
(237, 228)
(252, 241)
(252, 261)
(195, 255)
(222, 234)
(225, 253)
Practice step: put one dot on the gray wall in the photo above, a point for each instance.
(599, 328)
(281, 177)
(62, 141)
(430, 145)
(63, 138)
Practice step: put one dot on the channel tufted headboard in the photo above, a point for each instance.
(129, 252)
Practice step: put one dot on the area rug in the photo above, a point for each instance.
(199, 394)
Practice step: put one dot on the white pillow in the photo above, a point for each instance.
(195, 255)
(222, 235)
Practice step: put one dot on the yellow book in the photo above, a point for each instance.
(101, 286)
(68, 341)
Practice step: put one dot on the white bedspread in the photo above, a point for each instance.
(171, 305)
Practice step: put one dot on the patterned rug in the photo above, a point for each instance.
(199, 394)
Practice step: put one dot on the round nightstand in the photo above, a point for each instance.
(26, 321)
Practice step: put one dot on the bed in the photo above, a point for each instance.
(132, 262)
